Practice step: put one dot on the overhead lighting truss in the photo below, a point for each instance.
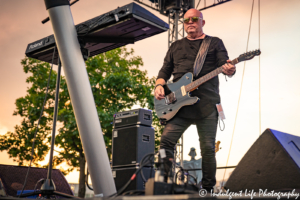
(219, 2)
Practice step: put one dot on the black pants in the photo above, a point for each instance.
(207, 129)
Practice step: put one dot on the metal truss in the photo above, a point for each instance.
(214, 4)
(176, 32)
(179, 152)
(176, 28)
(151, 5)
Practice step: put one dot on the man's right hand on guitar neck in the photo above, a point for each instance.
(159, 91)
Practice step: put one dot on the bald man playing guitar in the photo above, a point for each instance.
(179, 60)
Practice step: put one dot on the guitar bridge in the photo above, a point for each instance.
(170, 98)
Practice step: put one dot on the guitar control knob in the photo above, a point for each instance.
(164, 113)
(170, 109)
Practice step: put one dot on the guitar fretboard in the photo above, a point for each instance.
(192, 86)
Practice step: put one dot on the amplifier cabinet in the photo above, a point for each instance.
(131, 144)
(122, 175)
(133, 117)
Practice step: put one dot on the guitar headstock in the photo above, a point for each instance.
(249, 55)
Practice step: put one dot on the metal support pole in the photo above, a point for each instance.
(181, 153)
(174, 33)
(54, 119)
(175, 21)
(176, 24)
(183, 31)
(169, 31)
(81, 96)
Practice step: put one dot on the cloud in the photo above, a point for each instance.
(3, 130)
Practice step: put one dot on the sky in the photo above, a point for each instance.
(20, 23)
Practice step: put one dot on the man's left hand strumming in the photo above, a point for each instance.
(228, 68)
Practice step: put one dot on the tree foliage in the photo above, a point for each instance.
(117, 83)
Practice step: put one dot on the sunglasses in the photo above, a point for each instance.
(194, 19)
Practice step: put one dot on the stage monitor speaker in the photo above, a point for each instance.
(130, 144)
(122, 175)
(272, 163)
(13, 177)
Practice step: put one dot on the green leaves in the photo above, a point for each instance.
(117, 83)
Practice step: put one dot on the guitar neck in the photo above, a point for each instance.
(194, 85)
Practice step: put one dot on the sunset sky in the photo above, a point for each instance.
(20, 23)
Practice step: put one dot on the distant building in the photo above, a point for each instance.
(88, 193)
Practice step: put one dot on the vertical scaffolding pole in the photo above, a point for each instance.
(176, 23)
(174, 34)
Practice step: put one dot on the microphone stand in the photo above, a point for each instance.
(48, 188)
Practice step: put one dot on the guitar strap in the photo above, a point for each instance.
(198, 64)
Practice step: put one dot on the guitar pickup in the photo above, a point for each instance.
(170, 98)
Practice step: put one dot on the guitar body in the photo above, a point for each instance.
(166, 111)
(177, 94)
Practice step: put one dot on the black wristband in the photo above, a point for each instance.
(158, 85)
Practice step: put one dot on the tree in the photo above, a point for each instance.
(117, 84)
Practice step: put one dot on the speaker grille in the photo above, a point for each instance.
(131, 144)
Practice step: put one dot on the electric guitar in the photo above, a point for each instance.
(178, 94)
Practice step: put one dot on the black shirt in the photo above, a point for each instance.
(180, 60)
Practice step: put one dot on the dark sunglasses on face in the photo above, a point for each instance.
(194, 19)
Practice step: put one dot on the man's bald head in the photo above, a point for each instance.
(194, 29)
(194, 12)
